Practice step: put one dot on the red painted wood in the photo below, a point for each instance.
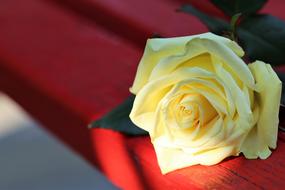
(266, 174)
(137, 20)
(65, 69)
(275, 8)
(233, 173)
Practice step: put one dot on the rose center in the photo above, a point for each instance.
(194, 110)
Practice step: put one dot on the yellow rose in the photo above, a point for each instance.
(201, 103)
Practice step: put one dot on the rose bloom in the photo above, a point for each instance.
(201, 103)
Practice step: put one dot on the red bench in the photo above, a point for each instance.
(68, 62)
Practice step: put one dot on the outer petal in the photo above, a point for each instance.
(267, 97)
(170, 159)
(157, 49)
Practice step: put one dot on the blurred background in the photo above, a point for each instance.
(32, 159)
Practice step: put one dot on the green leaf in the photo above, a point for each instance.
(118, 119)
(215, 25)
(261, 36)
(282, 78)
(232, 7)
(282, 107)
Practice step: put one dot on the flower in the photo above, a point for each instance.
(201, 103)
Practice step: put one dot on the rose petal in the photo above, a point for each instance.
(170, 159)
(267, 97)
(157, 49)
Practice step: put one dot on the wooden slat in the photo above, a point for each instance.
(275, 8)
(64, 71)
(233, 173)
(50, 46)
(137, 20)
